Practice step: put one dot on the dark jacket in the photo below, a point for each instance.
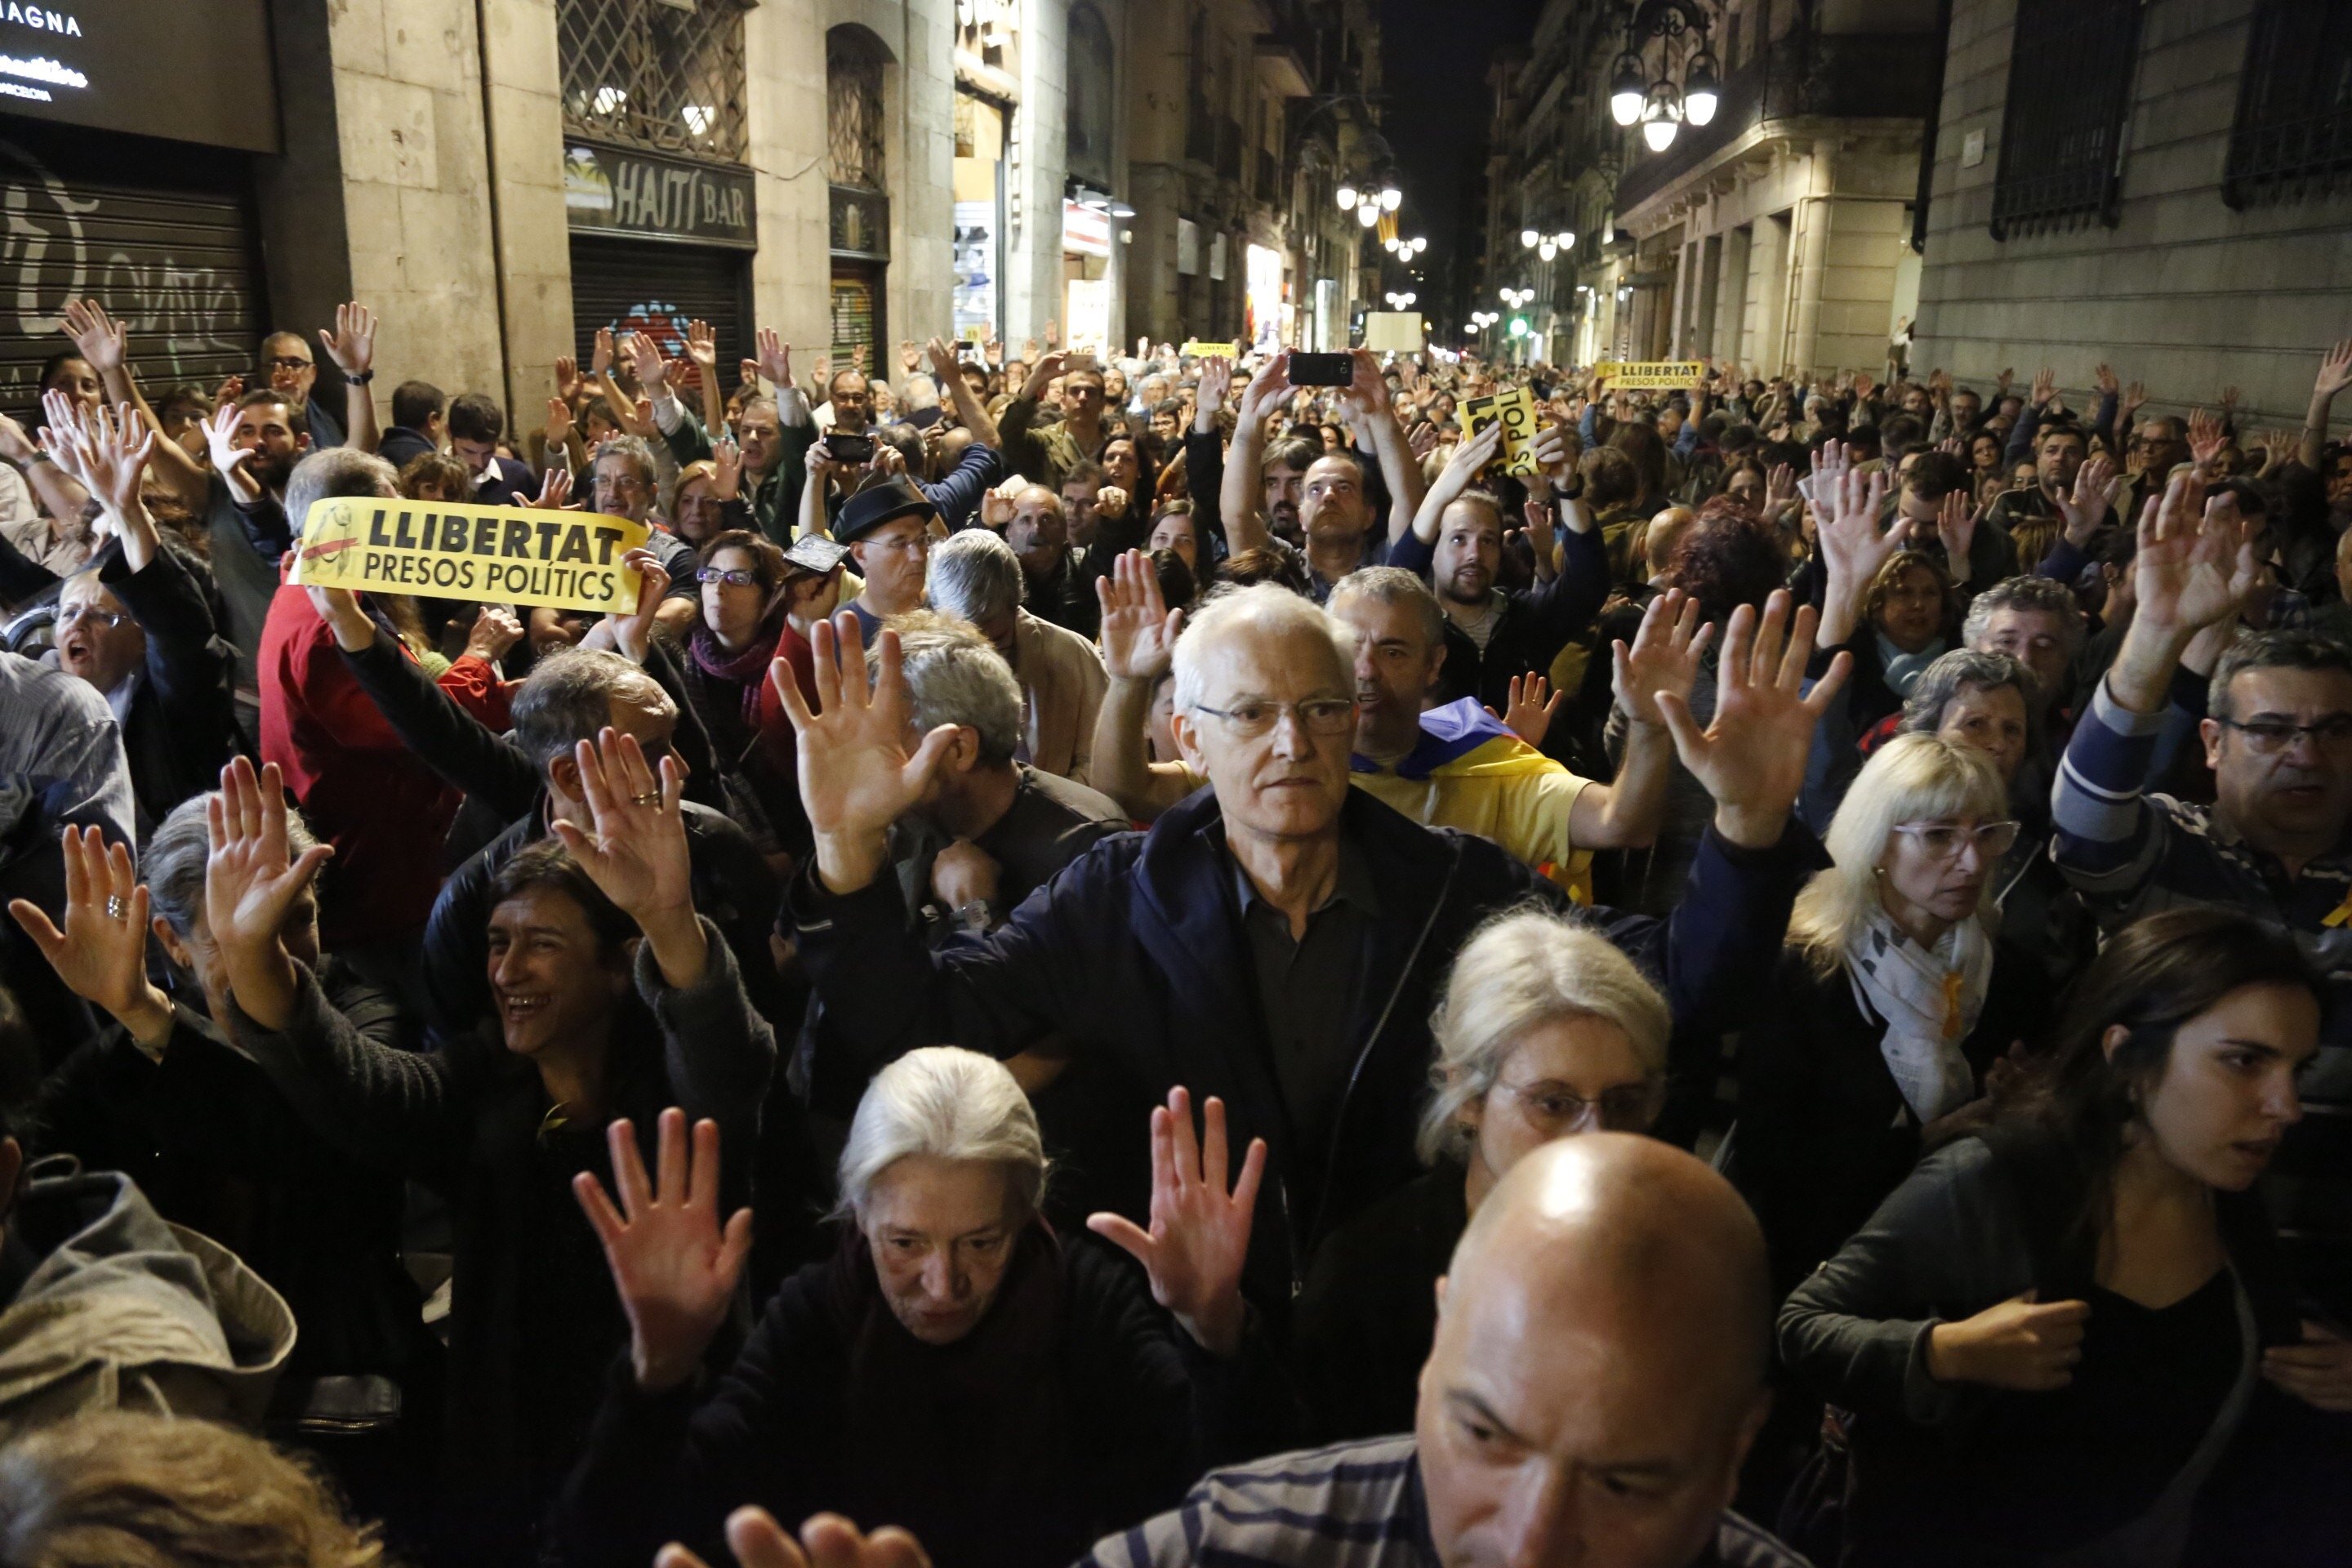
(1120, 1411)
(215, 1148)
(1138, 951)
(1824, 1133)
(402, 446)
(533, 1318)
(1535, 624)
(507, 483)
(182, 727)
(1368, 1313)
(1972, 1228)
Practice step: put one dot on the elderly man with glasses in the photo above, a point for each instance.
(1277, 939)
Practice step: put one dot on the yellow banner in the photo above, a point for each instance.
(1516, 411)
(499, 554)
(1648, 376)
(1197, 349)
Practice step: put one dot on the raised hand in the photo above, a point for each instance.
(674, 1266)
(1199, 1233)
(96, 336)
(1780, 486)
(632, 633)
(101, 953)
(2206, 439)
(2045, 387)
(250, 885)
(568, 384)
(996, 506)
(601, 355)
(747, 378)
(2094, 493)
(1138, 629)
(2105, 376)
(858, 773)
(726, 467)
(1752, 757)
(1664, 656)
(106, 451)
(1268, 390)
(2018, 1344)
(702, 348)
(1525, 712)
(496, 629)
(636, 852)
(352, 344)
(1542, 534)
(559, 424)
(2134, 395)
(776, 357)
(758, 1542)
(555, 490)
(1956, 528)
(229, 459)
(1845, 507)
(2335, 371)
(943, 362)
(2194, 565)
(645, 361)
(2228, 400)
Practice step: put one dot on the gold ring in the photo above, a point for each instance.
(651, 797)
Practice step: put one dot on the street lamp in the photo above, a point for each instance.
(1626, 87)
(1661, 116)
(1546, 248)
(1528, 238)
(1368, 213)
(1702, 85)
(1565, 239)
(1347, 195)
(1659, 104)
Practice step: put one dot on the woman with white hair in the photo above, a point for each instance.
(1545, 1028)
(956, 1367)
(1893, 1002)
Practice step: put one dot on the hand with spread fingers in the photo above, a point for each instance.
(831, 1541)
(675, 1265)
(1200, 1231)
(101, 953)
(1139, 630)
(1526, 713)
(250, 884)
(636, 853)
(861, 765)
(1752, 757)
(1667, 651)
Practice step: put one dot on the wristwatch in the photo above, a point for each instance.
(1567, 494)
(360, 380)
(974, 917)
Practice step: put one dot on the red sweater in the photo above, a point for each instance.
(361, 788)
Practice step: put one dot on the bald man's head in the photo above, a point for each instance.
(1598, 1368)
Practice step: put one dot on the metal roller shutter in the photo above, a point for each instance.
(655, 287)
(176, 267)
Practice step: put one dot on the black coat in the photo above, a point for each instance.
(1119, 1414)
(1368, 1313)
(1823, 1133)
(533, 1318)
(182, 727)
(1138, 951)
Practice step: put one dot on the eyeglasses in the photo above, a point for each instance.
(733, 576)
(77, 614)
(1943, 840)
(286, 362)
(1627, 1107)
(624, 484)
(1258, 716)
(2268, 738)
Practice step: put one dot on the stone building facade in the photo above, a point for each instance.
(2182, 209)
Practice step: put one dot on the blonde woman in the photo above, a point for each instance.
(1892, 1001)
(1545, 1029)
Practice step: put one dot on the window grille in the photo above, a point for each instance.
(853, 84)
(2293, 135)
(663, 75)
(2070, 83)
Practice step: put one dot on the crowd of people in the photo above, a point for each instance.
(1125, 962)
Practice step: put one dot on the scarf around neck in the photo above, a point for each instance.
(1930, 1001)
(747, 666)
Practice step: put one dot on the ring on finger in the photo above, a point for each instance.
(650, 797)
(115, 908)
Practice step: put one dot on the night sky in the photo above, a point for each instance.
(1436, 54)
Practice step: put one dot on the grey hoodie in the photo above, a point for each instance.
(125, 1310)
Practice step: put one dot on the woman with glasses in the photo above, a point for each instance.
(1893, 1000)
(742, 630)
(1545, 1029)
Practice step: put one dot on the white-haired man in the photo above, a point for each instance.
(1277, 939)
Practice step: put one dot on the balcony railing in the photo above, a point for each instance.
(1852, 75)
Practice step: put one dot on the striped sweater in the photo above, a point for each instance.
(1356, 1505)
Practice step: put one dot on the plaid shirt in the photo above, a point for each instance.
(1357, 1505)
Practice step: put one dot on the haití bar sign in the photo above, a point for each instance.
(652, 197)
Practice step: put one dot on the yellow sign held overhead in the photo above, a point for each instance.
(1515, 409)
(1648, 376)
(501, 555)
(1197, 349)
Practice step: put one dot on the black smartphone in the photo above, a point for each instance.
(1322, 369)
(848, 449)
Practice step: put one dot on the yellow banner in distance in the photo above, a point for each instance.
(1649, 375)
(1196, 349)
(499, 554)
(1516, 411)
